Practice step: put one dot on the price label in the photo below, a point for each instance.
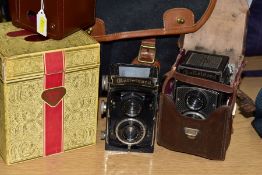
(41, 23)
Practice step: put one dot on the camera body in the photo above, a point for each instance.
(131, 107)
(198, 102)
(207, 66)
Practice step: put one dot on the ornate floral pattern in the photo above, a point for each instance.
(21, 106)
(24, 120)
(79, 58)
(22, 47)
(30, 64)
(2, 123)
(25, 61)
(24, 111)
(80, 102)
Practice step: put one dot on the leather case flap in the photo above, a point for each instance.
(224, 33)
(178, 17)
(129, 19)
(206, 138)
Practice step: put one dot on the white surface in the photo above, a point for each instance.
(249, 2)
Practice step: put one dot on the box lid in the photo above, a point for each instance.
(21, 58)
(224, 32)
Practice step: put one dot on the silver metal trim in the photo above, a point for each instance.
(133, 120)
(191, 132)
(103, 135)
(153, 132)
(202, 117)
(104, 83)
(103, 107)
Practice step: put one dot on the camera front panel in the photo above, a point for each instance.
(195, 102)
(131, 119)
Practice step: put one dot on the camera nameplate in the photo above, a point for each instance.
(133, 81)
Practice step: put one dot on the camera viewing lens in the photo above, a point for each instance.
(130, 131)
(132, 107)
(196, 100)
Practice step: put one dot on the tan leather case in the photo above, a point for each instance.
(63, 17)
(176, 20)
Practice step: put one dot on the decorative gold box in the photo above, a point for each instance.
(48, 93)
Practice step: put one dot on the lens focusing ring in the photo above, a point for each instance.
(130, 131)
(194, 115)
(196, 100)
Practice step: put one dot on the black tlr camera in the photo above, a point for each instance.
(131, 107)
(198, 102)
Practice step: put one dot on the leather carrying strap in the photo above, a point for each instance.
(147, 53)
(173, 74)
(232, 89)
(183, 23)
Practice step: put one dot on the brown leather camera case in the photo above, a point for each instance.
(63, 17)
(207, 138)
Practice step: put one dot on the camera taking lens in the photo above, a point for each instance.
(130, 131)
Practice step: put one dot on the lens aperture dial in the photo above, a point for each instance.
(130, 131)
(196, 100)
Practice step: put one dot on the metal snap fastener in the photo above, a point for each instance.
(52, 26)
(180, 20)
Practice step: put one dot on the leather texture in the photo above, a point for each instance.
(63, 17)
(184, 18)
(116, 20)
(147, 53)
(129, 19)
(214, 133)
(209, 143)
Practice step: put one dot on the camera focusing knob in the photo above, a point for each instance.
(103, 135)
(103, 107)
(104, 83)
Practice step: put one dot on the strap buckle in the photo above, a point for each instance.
(146, 47)
(147, 53)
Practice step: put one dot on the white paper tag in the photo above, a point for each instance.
(234, 110)
(41, 23)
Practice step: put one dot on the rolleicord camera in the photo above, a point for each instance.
(195, 112)
(198, 102)
(131, 107)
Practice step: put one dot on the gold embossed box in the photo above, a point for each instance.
(48, 93)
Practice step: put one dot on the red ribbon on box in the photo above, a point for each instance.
(53, 97)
